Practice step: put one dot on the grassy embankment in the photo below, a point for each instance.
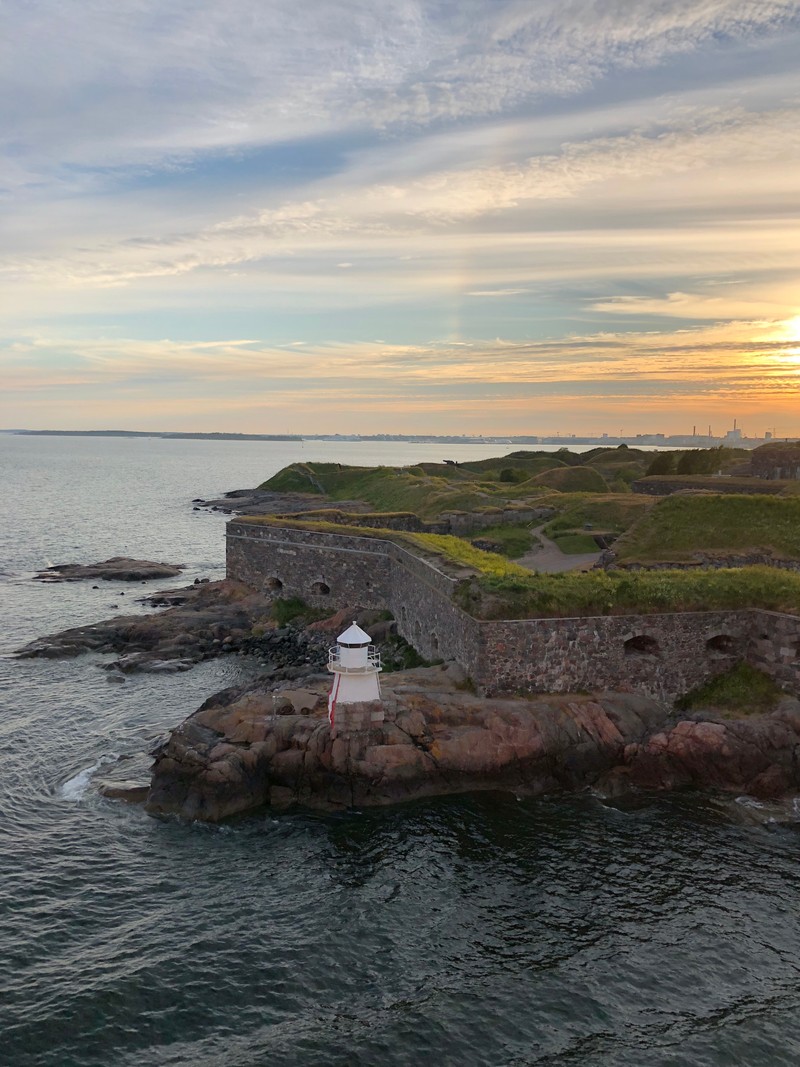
(388, 488)
(454, 554)
(511, 541)
(740, 692)
(494, 587)
(638, 593)
(680, 527)
(609, 515)
(484, 487)
(430, 489)
(716, 483)
(670, 530)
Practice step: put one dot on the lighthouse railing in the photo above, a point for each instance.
(335, 662)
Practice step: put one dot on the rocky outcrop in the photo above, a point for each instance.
(117, 569)
(759, 756)
(246, 748)
(268, 502)
(206, 620)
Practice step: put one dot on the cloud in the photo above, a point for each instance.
(742, 350)
(579, 170)
(92, 85)
(720, 159)
(500, 386)
(496, 292)
(718, 302)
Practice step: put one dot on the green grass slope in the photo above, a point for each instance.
(453, 551)
(574, 594)
(737, 693)
(678, 527)
(402, 488)
(385, 488)
(571, 480)
(611, 513)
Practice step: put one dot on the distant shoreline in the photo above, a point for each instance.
(646, 441)
(160, 434)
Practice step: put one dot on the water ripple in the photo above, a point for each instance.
(480, 930)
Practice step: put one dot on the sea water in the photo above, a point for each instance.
(477, 930)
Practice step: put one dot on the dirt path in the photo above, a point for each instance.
(548, 558)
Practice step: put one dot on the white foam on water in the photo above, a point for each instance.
(75, 787)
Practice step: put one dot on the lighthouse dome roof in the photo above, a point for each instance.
(354, 635)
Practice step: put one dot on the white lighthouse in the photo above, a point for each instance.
(355, 664)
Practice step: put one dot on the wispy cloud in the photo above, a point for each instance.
(746, 365)
(146, 86)
(714, 160)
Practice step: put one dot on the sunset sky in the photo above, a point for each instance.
(477, 216)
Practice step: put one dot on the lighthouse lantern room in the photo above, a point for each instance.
(355, 664)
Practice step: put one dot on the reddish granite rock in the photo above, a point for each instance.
(238, 755)
(758, 756)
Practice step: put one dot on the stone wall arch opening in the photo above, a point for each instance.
(721, 645)
(274, 585)
(642, 645)
(320, 589)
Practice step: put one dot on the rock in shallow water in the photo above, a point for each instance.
(187, 633)
(118, 568)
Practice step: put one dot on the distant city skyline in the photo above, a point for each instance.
(481, 217)
(731, 437)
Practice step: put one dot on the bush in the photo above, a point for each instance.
(511, 541)
(742, 691)
(701, 461)
(663, 463)
(513, 475)
(289, 609)
(398, 655)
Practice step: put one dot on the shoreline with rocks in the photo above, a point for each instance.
(270, 742)
(248, 748)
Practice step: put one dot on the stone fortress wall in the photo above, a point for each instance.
(661, 655)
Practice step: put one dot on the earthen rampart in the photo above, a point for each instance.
(459, 523)
(661, 655)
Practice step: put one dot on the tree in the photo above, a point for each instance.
(701, 461)
(662, 463)
(692, 462)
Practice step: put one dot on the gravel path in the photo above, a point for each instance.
(548, 558)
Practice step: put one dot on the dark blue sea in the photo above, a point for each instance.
(479, 930)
